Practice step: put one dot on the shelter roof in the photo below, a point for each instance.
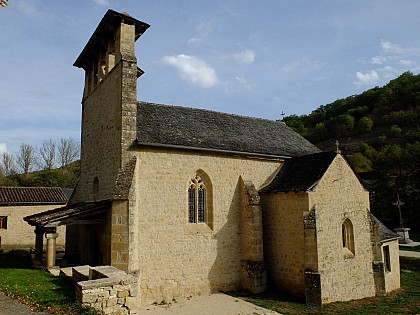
(385, 234)
(301, 173)
(19, 196)
(78, 213)
(192, 128)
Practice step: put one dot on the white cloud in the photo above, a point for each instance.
(245, 56)
(378, 60)
(193, 70)
(244, 82)
(389, 47)
(203, 30)
(367, 78)
(27, 8)
(3, 148)
(102, 2)
(302, 65)
(405, 62)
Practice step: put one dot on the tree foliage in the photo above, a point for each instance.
(50, 165)
(379, 132)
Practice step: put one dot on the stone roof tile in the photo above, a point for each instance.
(301, 173)
(385, 234)
(159, 124)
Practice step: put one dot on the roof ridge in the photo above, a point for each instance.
(212, 111)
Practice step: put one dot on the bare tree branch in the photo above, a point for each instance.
(25, 158)
(47, 154)
(7, 164)
(68, 151)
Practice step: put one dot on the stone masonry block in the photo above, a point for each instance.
(123, 294)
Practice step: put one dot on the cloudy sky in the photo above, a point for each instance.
(253, 58)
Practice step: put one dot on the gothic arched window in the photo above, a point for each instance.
(347, 235)
(196, 200)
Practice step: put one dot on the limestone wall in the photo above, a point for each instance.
(176, 258)
(284, 240)
(392, 278)
(339, 195)
(109, 114)
(19, 234)
(101, 137)
(107, 289)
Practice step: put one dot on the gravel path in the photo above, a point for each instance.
(9, 306)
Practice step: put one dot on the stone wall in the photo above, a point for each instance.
(339, 196)
(107, 289)
(392, 278)
(109, 111)
(177, 259)
(101, 137)
(19, 234)
(284, 243)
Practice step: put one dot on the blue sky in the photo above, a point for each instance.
(253, 58)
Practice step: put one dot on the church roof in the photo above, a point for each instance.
(301, 173)
(192, 128)
(19, 196)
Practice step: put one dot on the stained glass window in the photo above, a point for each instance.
(191, 204)
(201, 203)
(196, 201)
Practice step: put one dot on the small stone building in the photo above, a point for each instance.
(19, 202)
(192, 201)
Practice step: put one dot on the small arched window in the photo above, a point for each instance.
(348, 236)
(95, 188)
(196, 200)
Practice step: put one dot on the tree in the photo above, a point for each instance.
(47, 154)
(68, 151)
(394, 130)
(364, 124)
(25, 158)
(360, 163)
(7, 164)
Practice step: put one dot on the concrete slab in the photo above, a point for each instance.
(412, 244)
(406, 253)
(55, 271)
(67, 272)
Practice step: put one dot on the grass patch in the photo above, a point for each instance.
(404, 301)
(38, 288)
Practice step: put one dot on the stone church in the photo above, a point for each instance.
(194, 201)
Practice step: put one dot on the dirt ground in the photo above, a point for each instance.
(214, 304)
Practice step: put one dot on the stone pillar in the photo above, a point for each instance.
(120, 236)
(51, 248)
(253, 273)
(312, 278)
(39, 242)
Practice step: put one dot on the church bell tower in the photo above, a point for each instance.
(109, 103)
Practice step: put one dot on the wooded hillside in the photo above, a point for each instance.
(379, 133)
